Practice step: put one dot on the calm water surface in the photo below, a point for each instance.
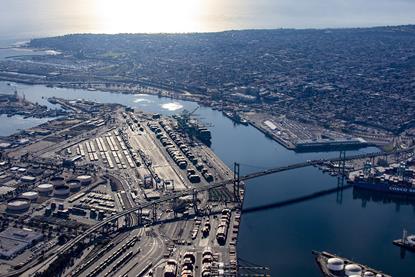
(356, 226)
(349, 224)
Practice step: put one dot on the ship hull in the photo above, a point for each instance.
(385, 187)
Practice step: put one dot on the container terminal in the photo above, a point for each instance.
(62, 178)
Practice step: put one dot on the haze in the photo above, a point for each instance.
(28, 18)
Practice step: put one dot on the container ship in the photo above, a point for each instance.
(397, 180)
(334, 266)
(194, 128)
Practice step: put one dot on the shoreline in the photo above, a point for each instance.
(161, 92)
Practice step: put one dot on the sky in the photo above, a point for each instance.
(34, 18)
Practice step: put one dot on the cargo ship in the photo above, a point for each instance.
(334, 266)
(236, 118)
(193, 128)
(385, 183)
(330, 144)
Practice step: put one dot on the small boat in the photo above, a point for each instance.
(332, 265)
(407, 241)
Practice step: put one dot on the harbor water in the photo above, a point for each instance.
(350, 224)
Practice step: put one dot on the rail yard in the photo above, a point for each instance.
(104, 191)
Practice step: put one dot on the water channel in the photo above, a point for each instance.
(359, 227)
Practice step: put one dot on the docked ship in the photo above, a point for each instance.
(236, 118)
(397, 180)
(193, 127)
(334, 266)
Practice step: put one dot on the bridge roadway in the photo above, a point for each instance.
(202, 188)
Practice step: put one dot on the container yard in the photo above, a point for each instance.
(108, 163)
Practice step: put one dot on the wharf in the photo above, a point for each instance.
(322, 259)
(287, 144)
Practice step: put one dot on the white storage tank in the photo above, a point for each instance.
(18, 204)
(31, 195)
(61, 191)
(353, 269)
(73, 184)
(85, 179)
(368, 274)
(45, 188)
(335, 264)
(28, 179)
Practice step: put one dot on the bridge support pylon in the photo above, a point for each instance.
(342, 163)
(154, 213)
(236, 181)
(194, 201)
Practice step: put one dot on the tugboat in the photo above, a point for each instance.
(407, 241)
(334, 266)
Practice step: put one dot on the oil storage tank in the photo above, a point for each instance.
(18, 204)
(45, 188)
(57, 181)
(31, 195)
(85, 179)
(335, 264)
(28, 179)
(73, 184)
(353, 269)
(61, 191)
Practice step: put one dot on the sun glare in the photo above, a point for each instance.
(115, 16)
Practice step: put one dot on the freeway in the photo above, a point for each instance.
(190, 191)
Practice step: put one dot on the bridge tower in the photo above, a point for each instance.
(236, 180)
(342, 163)
(139, 216)
(154, 212)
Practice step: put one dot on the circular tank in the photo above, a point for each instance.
(61, 190)
(85, 179)
(368, 274)
(31, 195)
(73, 184)
(57, 181)
(45, 188)
(335, 264)
(27, 179)
(353, 269)
(18, 204)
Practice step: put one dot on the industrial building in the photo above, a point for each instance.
(13, 241)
